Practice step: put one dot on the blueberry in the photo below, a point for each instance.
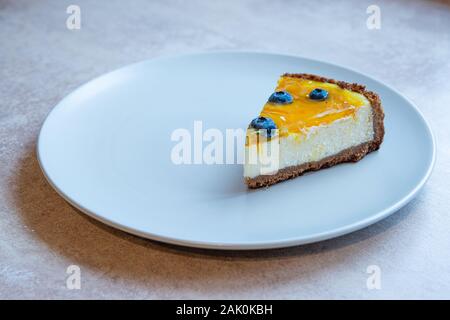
(318, 94)
(264, 123)
(281, 97)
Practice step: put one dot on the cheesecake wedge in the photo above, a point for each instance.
(310, 123)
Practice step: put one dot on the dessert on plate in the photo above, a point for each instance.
(310, 123)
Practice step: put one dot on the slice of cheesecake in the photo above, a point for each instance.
(310, 123)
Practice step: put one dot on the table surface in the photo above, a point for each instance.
(41, 61)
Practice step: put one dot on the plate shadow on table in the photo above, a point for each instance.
(91, 244)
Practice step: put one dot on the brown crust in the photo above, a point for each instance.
(352, 154)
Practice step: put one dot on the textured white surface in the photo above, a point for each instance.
(41, 62)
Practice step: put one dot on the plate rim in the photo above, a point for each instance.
(256, 245)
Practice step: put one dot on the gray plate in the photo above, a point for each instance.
(106, 148)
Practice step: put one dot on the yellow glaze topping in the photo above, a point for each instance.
(303, 113)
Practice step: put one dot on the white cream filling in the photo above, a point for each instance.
(319, 142)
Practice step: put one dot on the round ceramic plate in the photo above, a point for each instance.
(107, 149)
